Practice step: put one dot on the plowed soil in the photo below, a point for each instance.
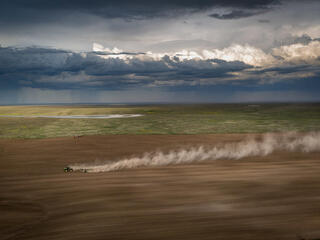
(270, 197)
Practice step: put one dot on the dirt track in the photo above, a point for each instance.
(272, 197)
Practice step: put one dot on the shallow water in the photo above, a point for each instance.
(77, 116)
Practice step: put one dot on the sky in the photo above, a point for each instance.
(139, 51)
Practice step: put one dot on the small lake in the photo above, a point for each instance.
(76, 116)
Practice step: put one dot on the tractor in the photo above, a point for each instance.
(67, 169)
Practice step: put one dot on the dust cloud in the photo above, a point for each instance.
(269, 143)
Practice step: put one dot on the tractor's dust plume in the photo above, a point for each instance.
(251, 147)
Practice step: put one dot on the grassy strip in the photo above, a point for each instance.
(169, 119)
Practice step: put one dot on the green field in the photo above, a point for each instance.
(160, 119)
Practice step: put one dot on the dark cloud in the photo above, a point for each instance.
(45, 10)
(50, 68)
(30, 59)
(118, 53)
(236, 14)
(289, 40)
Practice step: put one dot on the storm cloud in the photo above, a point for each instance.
(137, 9)
(115, 69)
(53, 68)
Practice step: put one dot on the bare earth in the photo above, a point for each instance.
(271, 197)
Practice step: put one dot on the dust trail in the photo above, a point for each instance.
(250, 147)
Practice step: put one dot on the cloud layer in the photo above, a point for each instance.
(137, 9)
(112, 69)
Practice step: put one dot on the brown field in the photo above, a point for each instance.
(271, 197)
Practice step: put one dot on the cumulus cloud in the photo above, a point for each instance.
(113, 68)
(242, 53)
(302, 50)
(299, 53)
(99, 48)
(247, 54)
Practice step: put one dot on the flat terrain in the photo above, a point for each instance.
(160, 119)
(271, 197)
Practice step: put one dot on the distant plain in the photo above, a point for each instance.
(160, 119)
